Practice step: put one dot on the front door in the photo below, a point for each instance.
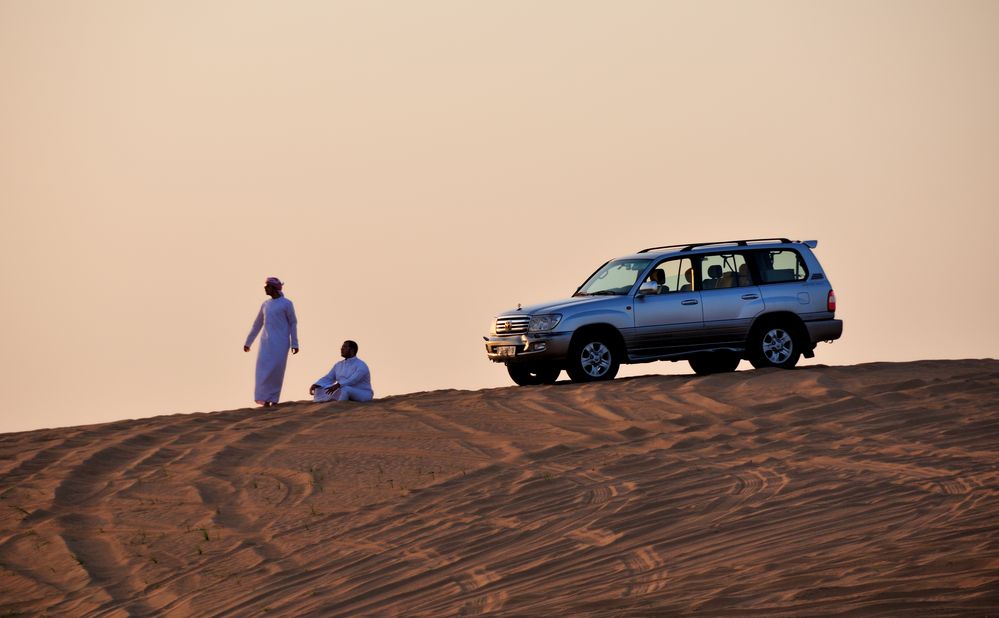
(669, 321)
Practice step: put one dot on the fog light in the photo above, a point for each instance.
(541, 346)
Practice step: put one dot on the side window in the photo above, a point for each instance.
(678, 275)
(724, 270)
(780, 266)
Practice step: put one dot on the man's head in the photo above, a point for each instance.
(272, 287)
(348, 349)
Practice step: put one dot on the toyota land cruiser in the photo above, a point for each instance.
(712, 304)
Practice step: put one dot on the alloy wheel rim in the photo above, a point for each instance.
(777, 346)
(595, 359)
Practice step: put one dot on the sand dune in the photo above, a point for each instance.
(864, 489)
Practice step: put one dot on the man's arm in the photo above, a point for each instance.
(332, 379)
(254, 330)
(293, 327)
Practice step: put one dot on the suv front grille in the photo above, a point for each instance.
(512, 325)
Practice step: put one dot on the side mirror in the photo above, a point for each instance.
(649, 287)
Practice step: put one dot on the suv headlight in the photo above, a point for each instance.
(544, 322)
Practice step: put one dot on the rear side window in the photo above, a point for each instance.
(724, 270)
(780, 266)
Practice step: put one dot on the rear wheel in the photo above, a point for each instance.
(593, 357)
(775, 345)
(528, 375)
(714, 362)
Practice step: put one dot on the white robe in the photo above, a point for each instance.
(280, 332)
(354, 378)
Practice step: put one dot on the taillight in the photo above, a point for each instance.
(831, 301)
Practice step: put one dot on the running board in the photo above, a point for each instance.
(682, 355)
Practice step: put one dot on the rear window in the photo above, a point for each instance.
(780, 266)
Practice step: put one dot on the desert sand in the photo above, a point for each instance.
(863, 489)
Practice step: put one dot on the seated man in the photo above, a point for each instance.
(658, 276)
(689, 276)
(349, 379)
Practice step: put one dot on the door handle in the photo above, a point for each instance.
(690, 301)
(750, 296)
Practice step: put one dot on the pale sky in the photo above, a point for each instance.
(412, 168)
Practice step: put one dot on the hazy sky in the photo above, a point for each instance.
(412, 168)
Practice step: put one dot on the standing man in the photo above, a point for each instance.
(349, 378)
(280, 326)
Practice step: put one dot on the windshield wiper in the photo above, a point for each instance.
(604, 293)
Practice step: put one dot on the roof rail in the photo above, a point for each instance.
(742, 243)
(663, 247)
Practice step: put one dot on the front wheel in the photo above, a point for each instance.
(593, 358)
(529, 375)
(774, 345)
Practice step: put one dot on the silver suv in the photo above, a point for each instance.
(712, 304)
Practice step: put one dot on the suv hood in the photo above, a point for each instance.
(557, 306)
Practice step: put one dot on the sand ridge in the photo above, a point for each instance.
(864, 489)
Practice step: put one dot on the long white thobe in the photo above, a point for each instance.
(354, 378)
(280, 332)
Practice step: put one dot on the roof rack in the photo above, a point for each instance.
(663, 247)
(741, 243)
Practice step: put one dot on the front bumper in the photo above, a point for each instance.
(824, 330)
(527, 347)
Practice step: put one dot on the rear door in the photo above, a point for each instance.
(669, 321)
(730, 299)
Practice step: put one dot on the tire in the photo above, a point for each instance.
(714, 362)
(593, 357)
(530, 375)
(775, 345)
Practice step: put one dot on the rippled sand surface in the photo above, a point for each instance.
(863, 489)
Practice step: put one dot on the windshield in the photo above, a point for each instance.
(614, 277)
